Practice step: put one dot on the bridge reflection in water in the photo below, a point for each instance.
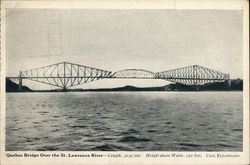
(66, 74)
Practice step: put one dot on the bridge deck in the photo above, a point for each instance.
(67, 74)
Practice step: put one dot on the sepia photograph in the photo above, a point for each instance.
(93, 79)
(155, 80)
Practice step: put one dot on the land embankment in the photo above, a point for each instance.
(13, 87)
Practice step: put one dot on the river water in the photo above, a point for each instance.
(124, 121)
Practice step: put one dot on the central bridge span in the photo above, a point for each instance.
(134, 74)
(66, 74)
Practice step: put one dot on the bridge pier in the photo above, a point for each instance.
(64, 89)
(228, 81)
(20, 84)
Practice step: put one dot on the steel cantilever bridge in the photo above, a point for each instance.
(66, 74)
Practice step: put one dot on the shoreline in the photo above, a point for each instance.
(123, 91)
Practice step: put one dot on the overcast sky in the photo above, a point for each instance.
(155, 40)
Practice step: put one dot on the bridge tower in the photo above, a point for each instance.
(64, 77)
(20, 81)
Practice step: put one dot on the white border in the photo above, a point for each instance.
(132, 4)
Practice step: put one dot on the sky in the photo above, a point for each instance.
(113, 40)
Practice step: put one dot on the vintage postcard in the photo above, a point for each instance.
(125, 82)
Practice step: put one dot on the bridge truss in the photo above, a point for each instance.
(64, 74)
(67, 74)
(193, 75)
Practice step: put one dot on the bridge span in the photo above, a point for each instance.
(66, 74)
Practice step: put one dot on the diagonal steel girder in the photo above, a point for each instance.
(192, 75)
(65, 74)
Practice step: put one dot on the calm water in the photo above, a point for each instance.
(146, 121)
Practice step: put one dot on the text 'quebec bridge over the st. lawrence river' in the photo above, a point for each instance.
(66, 74)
